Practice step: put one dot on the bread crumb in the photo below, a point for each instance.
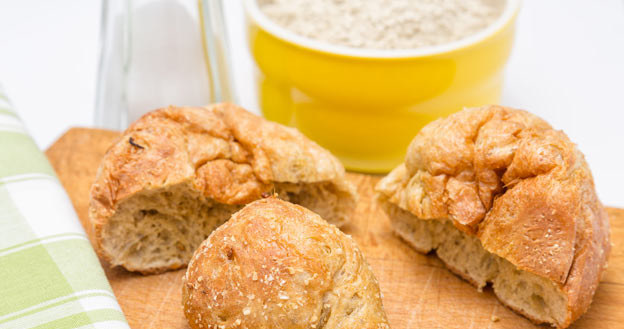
(495, 318)
(246, 311)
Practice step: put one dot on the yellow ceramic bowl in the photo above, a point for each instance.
(365, 105)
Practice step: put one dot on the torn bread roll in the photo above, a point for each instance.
(178, 173)
(278, 265)
(505, 199)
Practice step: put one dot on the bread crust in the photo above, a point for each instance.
(278, 265)
(222, 151)
(520, 186)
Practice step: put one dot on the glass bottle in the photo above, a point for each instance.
(156, 53)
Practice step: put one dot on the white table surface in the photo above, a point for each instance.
(567, 66)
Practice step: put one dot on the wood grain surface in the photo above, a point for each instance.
(418, 292)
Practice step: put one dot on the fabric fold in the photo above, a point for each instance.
(50, 276)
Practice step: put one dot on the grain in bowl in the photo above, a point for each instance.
(382, 24)
(366, 103)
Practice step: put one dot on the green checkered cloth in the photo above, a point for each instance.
(49, 275)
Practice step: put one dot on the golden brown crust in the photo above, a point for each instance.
(226, 153)
(520, 186)
(278, 265)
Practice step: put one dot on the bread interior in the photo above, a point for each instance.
(534, 296)
(326, 199)
(159, 229)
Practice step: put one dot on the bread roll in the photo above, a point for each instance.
(278, 265)
(504, 199)
(178, 173)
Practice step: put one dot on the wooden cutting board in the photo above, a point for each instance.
(418, 292)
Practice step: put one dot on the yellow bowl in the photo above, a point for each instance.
(366, 105)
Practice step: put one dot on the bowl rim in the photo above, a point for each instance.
(253, 11)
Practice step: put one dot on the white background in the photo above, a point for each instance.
(567, 66)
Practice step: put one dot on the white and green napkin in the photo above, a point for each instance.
(49, 275)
